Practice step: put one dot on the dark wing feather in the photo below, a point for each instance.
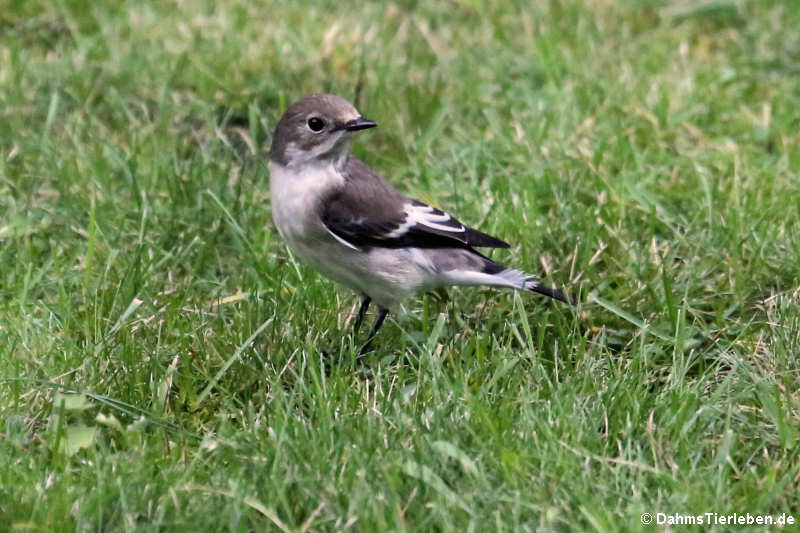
(368, 211)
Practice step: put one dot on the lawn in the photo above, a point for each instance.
(160, 349)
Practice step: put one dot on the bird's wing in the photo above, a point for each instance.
(368, 211)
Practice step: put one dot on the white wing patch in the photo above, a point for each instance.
(424, 216)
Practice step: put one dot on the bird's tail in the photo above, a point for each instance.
(523, 281)
(473, 268)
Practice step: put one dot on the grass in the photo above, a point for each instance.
(159, 368)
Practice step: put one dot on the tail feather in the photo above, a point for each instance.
(552, 292)
(524, 281)
(470, 267)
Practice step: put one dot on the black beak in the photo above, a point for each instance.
(360, 123)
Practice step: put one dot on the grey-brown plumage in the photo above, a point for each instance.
(345, 220)
(368, 209)
(292, 126)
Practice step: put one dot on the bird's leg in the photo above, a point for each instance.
(382, 312)
(361, 312)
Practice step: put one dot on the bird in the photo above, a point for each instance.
(343, 219)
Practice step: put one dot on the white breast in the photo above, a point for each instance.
(387, 275)
(296, 196)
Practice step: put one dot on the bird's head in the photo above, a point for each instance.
(316, 129)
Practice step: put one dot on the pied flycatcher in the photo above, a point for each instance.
(346, 221)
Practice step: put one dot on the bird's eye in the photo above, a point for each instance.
(316, 124)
